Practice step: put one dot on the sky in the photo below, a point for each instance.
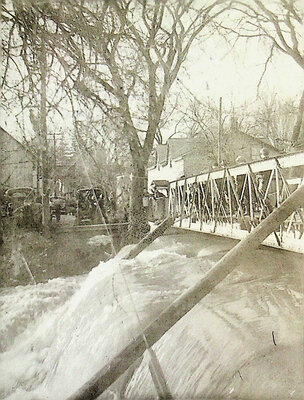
(213, 69)
(233, 74)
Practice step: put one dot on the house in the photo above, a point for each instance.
(183, 157)
(17, 166)
(240, 144)
(178, 157)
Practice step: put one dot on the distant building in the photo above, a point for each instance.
(249, 147)
(177, 158)
(183, 157)
(17, 167)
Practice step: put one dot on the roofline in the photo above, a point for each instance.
(260, 141)
(16, 140)
(209, 171)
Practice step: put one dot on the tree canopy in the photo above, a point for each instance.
(120, 58)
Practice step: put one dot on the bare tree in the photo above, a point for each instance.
(278, 22)
(124, 56)
(27, 74)
(298, 130)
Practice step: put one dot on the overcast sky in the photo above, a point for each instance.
(213, 69)
(235, 73)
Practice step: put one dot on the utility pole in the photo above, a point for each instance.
(219, 158)
(55, 162)
(43, 137)
(54, 140)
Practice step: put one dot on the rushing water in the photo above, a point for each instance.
(244, 340)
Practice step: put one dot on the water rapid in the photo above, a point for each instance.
(244, 340)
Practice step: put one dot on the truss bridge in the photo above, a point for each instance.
(232, 201)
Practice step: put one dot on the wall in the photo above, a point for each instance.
(248, 147)
(167, 172)
(16, 166)
(197, 163)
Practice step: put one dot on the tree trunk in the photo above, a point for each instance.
(299, 122)
(46, 212)
(1, 229)
(148, 239)
(138, 212)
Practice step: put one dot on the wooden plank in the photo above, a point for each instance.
(192, 205)
(220, 200)
(205, 195)
(199, 190)
(158, 377)
(250, 197)
(108, 374)
(286, 184)
(263, 209)
(148, 239)
(266, 194)
(230, 200)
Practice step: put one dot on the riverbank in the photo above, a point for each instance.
(32, 257)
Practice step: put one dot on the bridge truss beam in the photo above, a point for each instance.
(232, 201)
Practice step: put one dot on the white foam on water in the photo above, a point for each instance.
(99, 240)
(59, 334)
(66, 341)
(22, 305)
(157, 257)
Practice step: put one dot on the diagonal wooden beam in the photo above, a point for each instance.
(147, 240)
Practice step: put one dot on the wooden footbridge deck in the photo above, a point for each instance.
(232, 201)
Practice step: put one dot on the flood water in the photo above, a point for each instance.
(244, 340)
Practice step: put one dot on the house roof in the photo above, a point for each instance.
(176, 148)
(162, 153)
(265, 142)
(179, 147)
(3, 131)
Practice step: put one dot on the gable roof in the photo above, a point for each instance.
(162, 153)
(4, 132)
(264, 142)
(176, 148)
(179, 146)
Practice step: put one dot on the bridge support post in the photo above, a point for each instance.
(183, 304)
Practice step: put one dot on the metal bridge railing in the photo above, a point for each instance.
(232, 201)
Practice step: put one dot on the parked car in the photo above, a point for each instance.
(22, 204)
(71, 206)
(57, 207)
(88, 211)
(19, 196)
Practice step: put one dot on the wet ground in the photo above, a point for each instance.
(30, 256)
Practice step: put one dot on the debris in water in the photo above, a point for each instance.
(273, 339)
